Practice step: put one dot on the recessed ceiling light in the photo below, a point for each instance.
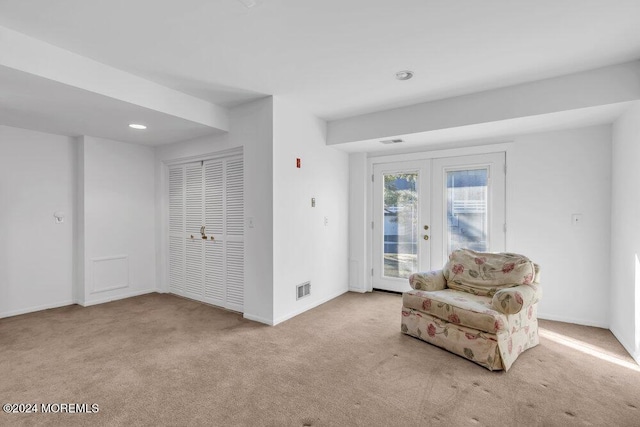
(137, 126)
(404, 75)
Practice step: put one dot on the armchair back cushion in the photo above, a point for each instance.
(481, 273)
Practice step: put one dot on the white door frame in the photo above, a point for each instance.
(506, 147)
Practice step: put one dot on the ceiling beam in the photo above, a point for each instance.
(599, 87)
(29, 55)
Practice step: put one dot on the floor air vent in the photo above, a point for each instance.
(303, 290)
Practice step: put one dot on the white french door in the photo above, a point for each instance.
(401, 223)
(469, 198)
(425, 209)
(206, 231)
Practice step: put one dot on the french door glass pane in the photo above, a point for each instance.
(400, 225)
(467, 215)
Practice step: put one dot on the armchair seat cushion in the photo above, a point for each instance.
(461, 308)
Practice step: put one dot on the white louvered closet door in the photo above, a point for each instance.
(207, 194)
(215, 284)
(176, 230)
(234, 232)
(194, 284)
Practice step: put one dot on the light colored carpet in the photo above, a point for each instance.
(162, 360)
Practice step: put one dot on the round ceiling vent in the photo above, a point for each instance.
(404, 75)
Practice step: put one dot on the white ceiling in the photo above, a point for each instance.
(336, 57)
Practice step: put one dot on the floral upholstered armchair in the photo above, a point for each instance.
(481, 306)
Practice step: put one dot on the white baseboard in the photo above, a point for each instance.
(117, 297)
(572, 320)
(308, 307)
(630, 350)
(357, 290)
(36, 308)
(257, 319)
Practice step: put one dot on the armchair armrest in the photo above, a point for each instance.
(513, 300)
(429, 281)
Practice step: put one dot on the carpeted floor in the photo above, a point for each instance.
(162, 360)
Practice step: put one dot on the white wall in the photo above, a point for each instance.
(251, 127)
(117, 232)
(550, 177)
(304, 248)
(36, 255)
(625, 231)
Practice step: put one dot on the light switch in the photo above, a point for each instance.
(326, 221)
(576, 220)
(250, 222)
(59, 217)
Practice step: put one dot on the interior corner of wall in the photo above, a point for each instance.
(258, 319)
